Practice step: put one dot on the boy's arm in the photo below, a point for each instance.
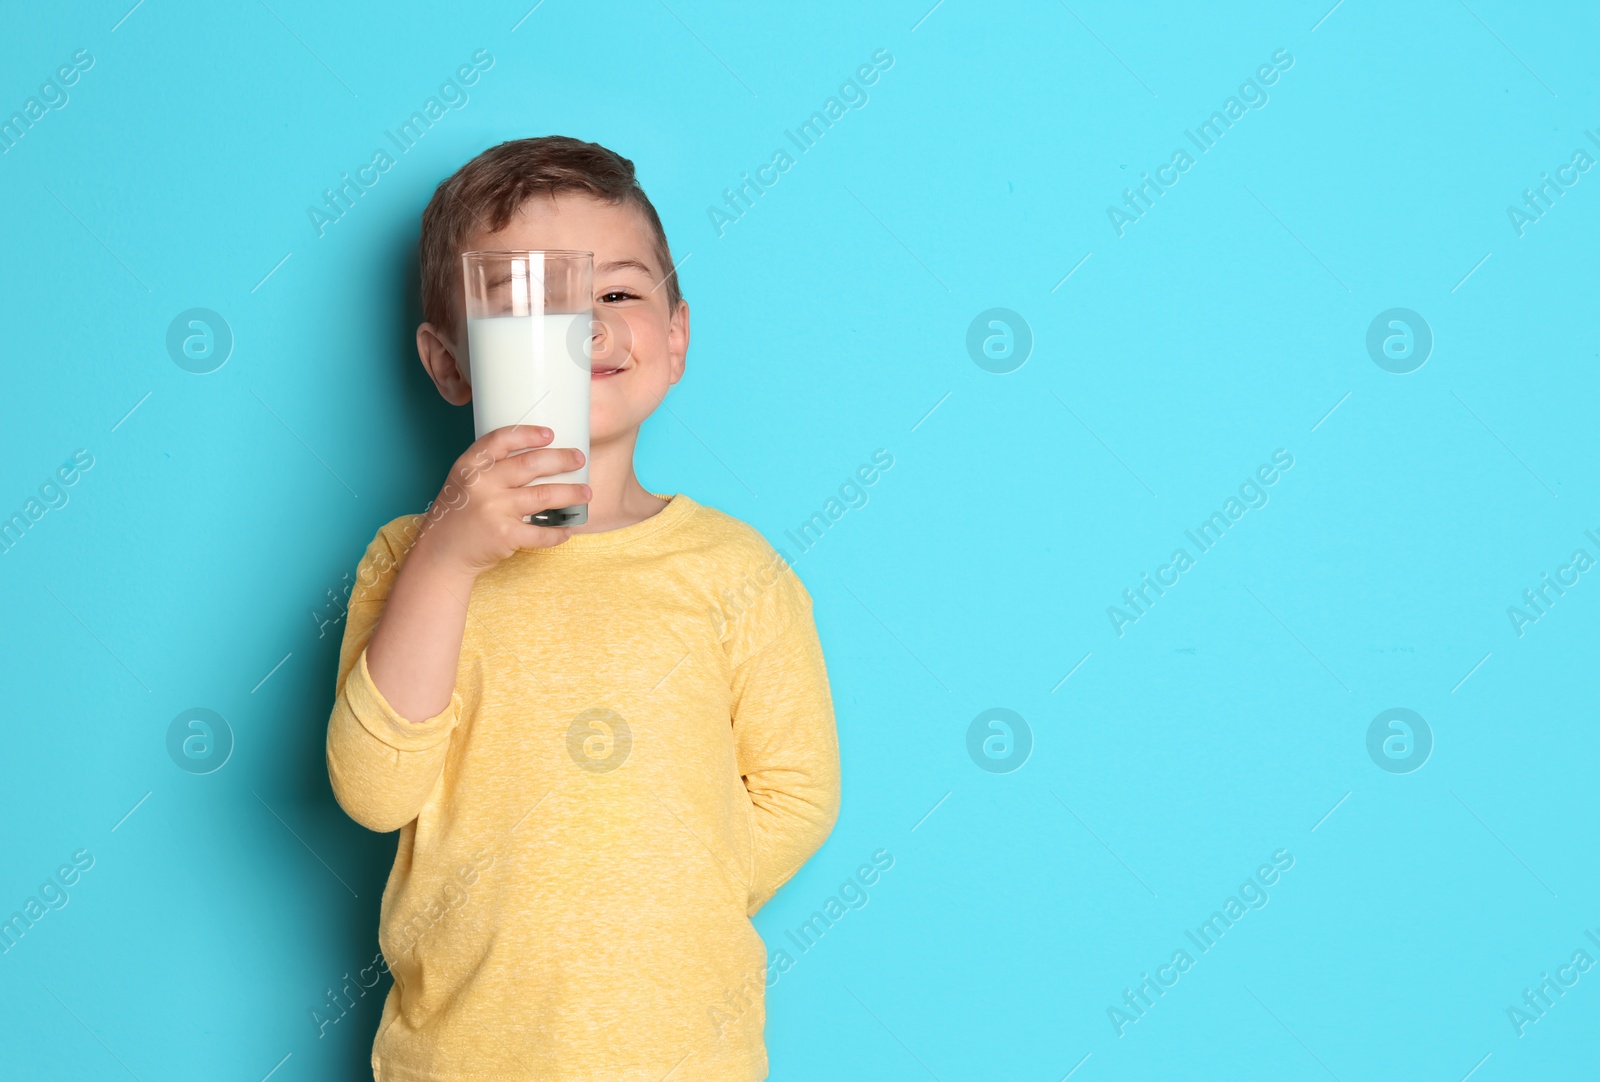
(381, 764)
(408, 616)
(786, 741)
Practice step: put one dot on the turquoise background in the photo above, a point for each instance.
(188, 565)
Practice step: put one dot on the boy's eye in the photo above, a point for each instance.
(612, 296)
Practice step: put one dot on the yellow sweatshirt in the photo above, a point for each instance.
(639, 750)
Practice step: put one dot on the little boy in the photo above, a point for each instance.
(605, 746)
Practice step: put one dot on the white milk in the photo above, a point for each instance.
(523, 372)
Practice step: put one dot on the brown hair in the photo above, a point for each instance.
(488, 190)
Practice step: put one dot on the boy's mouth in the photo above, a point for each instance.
(603, 373)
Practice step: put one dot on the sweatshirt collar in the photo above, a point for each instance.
(679, 507)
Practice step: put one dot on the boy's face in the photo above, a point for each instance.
(641, 338)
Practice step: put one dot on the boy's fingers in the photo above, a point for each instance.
(542, 462)
(512, 438)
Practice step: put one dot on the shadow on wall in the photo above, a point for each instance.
(424, 438)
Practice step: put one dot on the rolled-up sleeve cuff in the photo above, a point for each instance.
(376, 716)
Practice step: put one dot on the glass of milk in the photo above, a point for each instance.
(529, 316)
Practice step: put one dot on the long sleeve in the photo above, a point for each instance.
(381, 765)
(785, 738)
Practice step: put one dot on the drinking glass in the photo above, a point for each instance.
(529, 316)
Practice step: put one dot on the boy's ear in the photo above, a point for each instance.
(678, 340)
(439, 358)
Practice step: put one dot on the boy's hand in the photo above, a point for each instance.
(479, 516)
